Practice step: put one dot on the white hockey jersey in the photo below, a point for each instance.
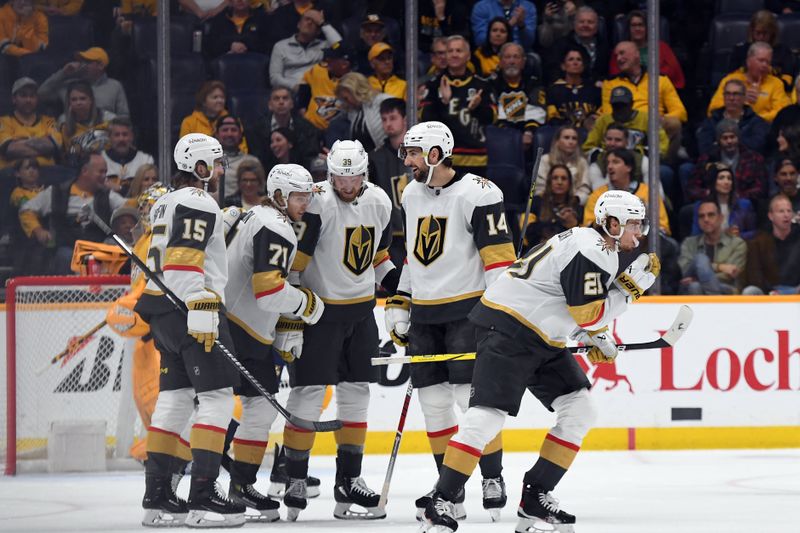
(458, 241)
(343, 250)
(560, 284)
(187, 250)
(259, 257)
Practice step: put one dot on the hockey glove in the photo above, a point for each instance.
(638, 277)
(603, 349)
(124, 320)
(289, 338)
(202, 320)
(311, 306)
(396, 316)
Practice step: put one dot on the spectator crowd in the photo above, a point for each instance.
(278, 81)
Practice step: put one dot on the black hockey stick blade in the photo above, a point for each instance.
(669, 338)
(321, 426)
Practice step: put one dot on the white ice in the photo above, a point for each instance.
(747, 491)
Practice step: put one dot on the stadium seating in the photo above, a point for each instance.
(248, 106)
(242, 73)
(742, 6)
(789, 31)
(726, 31)
(145, 41)
(70, 34)
(506, 166)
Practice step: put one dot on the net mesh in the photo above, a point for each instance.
(82, 384)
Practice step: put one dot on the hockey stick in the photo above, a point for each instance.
(669, 338)
(301, 423)
(73, 346)
(396, 446)
(534, 176)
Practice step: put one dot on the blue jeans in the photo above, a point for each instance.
(707, 281)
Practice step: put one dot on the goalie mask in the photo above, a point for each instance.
(426, 136)
(627, 208)
(347, 168)
(287, 179)
(195, 148)
(146, 200)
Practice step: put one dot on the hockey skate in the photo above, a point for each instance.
(209, 508)
(279, 479)
(422, 503)
(538, 512)
(295, 499)
(162, 507)
(247, 495)
(354, 491)
(440, 515)
(494, 496)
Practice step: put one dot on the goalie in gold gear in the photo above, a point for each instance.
(127, 323)
(567, 286)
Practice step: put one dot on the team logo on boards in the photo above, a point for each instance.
(430, 239)
(359, 248)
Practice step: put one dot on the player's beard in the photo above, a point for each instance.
(420, 174)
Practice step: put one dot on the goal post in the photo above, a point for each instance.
(48, 317)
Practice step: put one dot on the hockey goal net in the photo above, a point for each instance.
(48, 318)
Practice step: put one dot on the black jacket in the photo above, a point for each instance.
(258, 138)
(221, 32)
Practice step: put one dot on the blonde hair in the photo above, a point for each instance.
(136, 187)
(357, 84)
(256, 168)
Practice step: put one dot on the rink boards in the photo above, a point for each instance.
(731, 382)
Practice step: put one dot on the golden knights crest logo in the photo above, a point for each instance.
(398, 186)
(359, 248)
(430, 239)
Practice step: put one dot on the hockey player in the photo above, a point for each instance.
(343, 242)
(566, 286)
(188, 252)
(125, 322)
(458, 243)
(260, 253)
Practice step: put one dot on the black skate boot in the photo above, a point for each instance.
(440, 514)
(279, 478)
(421, 504)
(351, 491)
(162, 507)
(295, 499)
(494, 496)
(209, 508)
(248, 496)
(537, 505)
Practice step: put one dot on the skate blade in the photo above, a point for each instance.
(494, 514)
(312, 492)
(159, 518)
(256, 516)
(199, 519)
(528, 525)
(292, 513)
(343, 511)
(276, 490)
(459, 514)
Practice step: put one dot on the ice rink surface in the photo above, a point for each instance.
(747, 491)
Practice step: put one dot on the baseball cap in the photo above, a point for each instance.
(373, 18)
(621, 95)
(377, 49)
(94, 53)
(124, 210)
(21, 83)
(318, 165)
(337, 51)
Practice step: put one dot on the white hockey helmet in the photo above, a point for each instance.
(230, 219)
(288, 178)
(623, 206)
(347, 158)
(195, 147)
(426, 136)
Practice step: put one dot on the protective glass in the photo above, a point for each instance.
(640, 226)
